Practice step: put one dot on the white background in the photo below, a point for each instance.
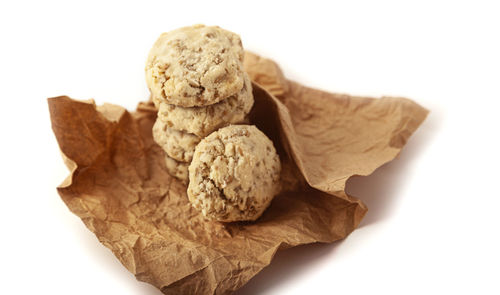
(433, 223)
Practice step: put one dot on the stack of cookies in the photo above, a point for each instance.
(197, 82)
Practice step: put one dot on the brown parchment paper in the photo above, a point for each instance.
(120, 189)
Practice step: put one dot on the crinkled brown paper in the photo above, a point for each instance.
(119, 186)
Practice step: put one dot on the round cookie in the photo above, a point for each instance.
(178, 145)
(202, 121)
(195, 66)
(177, 169)
(234, 174)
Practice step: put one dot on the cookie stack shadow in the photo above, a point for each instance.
(197, 83)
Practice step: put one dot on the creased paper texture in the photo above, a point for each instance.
(120, 189)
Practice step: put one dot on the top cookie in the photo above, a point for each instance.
(234, 174)
(195, 66)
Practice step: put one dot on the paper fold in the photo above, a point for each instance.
(120, 189)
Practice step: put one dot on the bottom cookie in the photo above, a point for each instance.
(177, 169)
(179, 145)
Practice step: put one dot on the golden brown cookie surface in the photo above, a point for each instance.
(178, 145)
(195, 66)
(234, 174)
(202, 121)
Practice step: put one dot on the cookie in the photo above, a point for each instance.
(202, 121)
(178, 145)
(195, 66)
(234, 174)
(177, 169)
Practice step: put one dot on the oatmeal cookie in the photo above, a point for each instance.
(195, 66)
(177, 169)
(234, 174)
(202, 121)
(178, 145)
